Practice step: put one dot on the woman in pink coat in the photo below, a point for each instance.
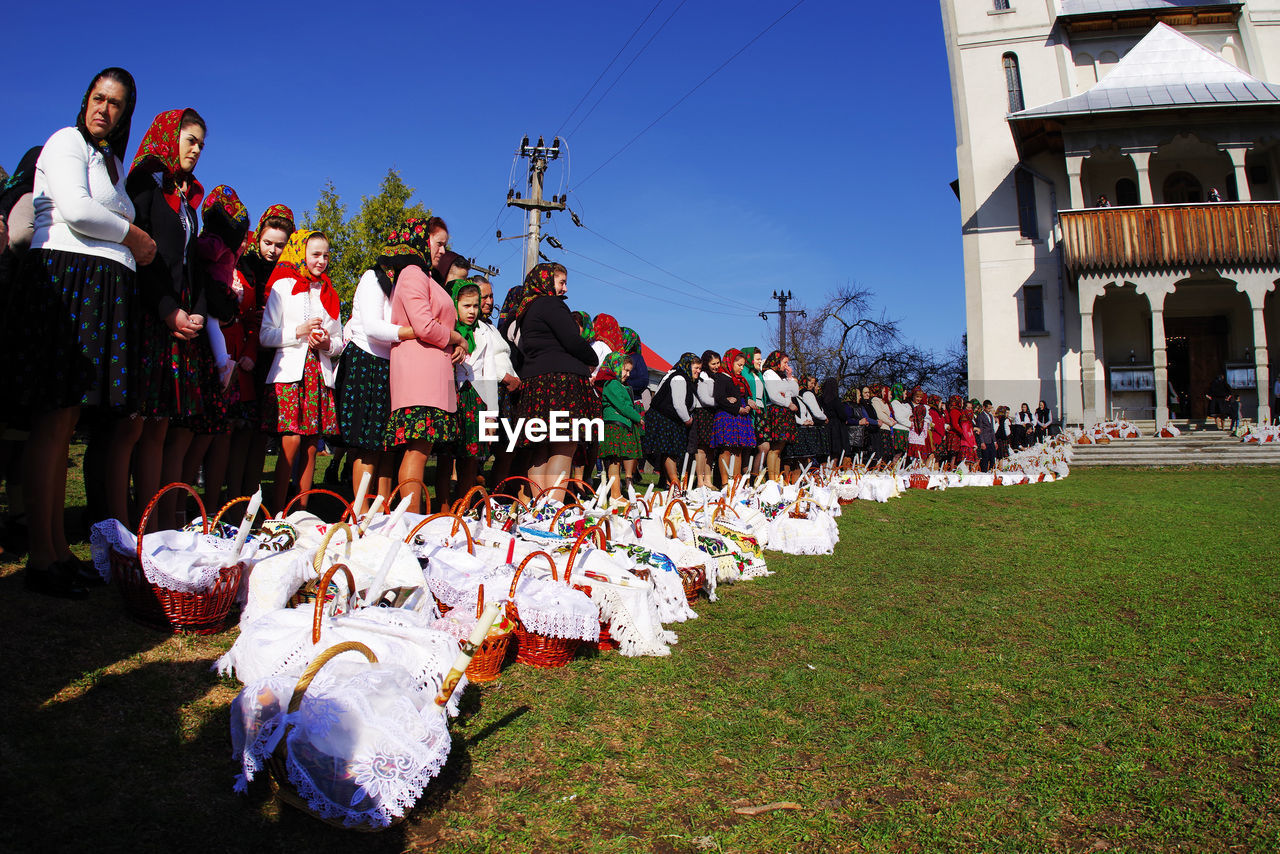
(423, 396)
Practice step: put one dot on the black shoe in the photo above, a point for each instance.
(54, 580)
(84, 572)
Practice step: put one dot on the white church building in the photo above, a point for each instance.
(1119, 185)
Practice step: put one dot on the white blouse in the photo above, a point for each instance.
(77, 207)
(370, 327)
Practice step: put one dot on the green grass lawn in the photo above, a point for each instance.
(1086, 665)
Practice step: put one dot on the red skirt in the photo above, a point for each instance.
(305, 408)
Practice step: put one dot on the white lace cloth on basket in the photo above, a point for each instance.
(280, 644)
(185, 561)
(363, 745)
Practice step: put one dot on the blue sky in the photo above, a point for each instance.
(821, 155)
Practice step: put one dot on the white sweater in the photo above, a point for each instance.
(285, 312)
(77, 208)
(777, 390)
(704, 392)
(486, 365)
(370, 327)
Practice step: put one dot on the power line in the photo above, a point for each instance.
(652, 297)
(624, 71)
(625, 44)
(651, 282)
(668, 272)
(686, 95)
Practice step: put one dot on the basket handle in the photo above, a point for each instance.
(594, 531)
(683, 507)
(318, 561)
(304, 681)
(318, 616)
(151, 506)
(480, 602)
(535, 491)
(560, 512)
(458, 522)
(464, 504)
(349, 512)
(648, 508)
(217, 517)
(515, 579)
(426, 493)
(670, 527)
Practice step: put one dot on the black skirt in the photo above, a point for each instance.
(664, 437)
(364, 398)
(69, 332)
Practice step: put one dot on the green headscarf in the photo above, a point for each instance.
(898, 391)
(588, 328)
(755, 380)
(467, 331)
(630, 340)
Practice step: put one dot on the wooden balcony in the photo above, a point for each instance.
(1226, 234)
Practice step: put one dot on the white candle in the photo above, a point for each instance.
(684, 467)
(375, 589)
(362, 492)
(468, 650)
(245, 524)
(373, 511)
(398, 513)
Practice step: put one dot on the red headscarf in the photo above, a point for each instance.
(608, 331)
(293, 265)
(726, 367)
(158, 152)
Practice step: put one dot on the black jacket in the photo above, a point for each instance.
(168, 282)
(550, 341)
(725, 388)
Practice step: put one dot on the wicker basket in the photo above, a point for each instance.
(486, 664)
(347, 512)
(458, 524)
(277, 765)
(531, 648)
(202, 613)
(605, 642)
(918, 481)
(309, 591)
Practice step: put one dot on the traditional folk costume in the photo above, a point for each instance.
(558, 360)
(70, 334)
(901, 417)
(623, 423)
(300, 381)
(226, 222)
(755, 382)
(968, 439)
(253, 272)
(805, 444)
(919, 432)
(424, 396)
(704, 409)
(820, 442)
(364, 375)
(666, 432)
(733, 427)
(170, 377)
(937, 428)
(778, 423)
(467, 374)
(955, 408)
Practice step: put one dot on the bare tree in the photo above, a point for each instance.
(849, 339)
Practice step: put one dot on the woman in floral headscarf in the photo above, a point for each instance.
(364, 375)
(424, 398)
(732, 432)
(638, 381)
(623, 423)
(558, 363)
(753, 365)
(303, 324)
(901, 417)
(955, 407)
(670, 417)
(226, 223)
(169, 368)
(778, 425)
(253, 271)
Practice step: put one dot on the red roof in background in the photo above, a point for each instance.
(652, 360)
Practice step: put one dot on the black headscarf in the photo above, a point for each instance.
(116, 145)
(21, 182)
(407, 245)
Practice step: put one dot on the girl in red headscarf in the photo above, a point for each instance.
(955, 407)
(938, 428)
(733, 434)
(968, 437)
(171, 364)
(919, 427)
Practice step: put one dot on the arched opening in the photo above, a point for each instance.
(1182, 188)
(1013, 82)
(1208, 325)
(1123, 316)
(1101, 172)
(1086, 74)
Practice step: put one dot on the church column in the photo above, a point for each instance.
(1237, 153)
(1160, 360)
(1256, 285)
(1075, 164)
(1142, 163)
(1087, 373)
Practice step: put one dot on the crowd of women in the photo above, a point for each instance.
(145, 309)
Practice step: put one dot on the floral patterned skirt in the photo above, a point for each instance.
(218, 402)
(703, 423)
(421, 424)
(778, 424)
(733, 431)
(364, 398)
(305, 407)
(560, 393)
(621, 441)
(664, 437)
(900, 441)
(69, 332)
(170, 378)
(467, 443)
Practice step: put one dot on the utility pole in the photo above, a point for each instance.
(539, 156)
(783, 297)
(488, 272)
